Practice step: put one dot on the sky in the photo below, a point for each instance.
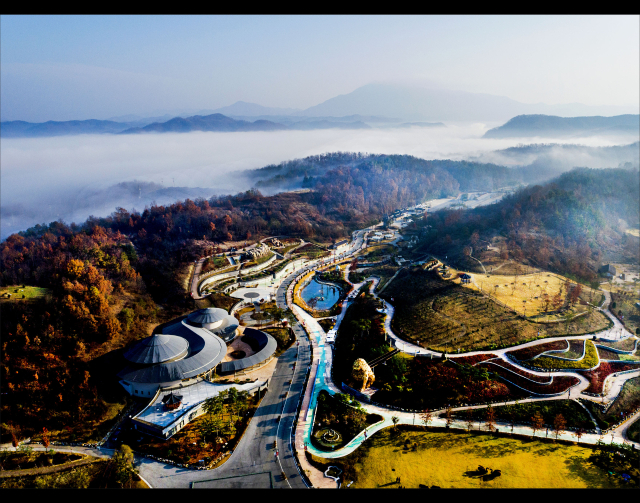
(81, 67)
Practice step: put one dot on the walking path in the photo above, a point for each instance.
(323, 381)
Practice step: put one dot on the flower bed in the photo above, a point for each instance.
(473, 359)
(605, 354)
(628, 344)
(589, 361)
(559, 384)
(532, 351)
(528, 375)
(597, 376)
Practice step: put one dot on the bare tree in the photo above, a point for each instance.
(426, 417)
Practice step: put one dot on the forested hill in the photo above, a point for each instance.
(552, 126)
(460, 175)
(569, 224)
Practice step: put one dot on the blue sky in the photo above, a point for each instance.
(79, 67)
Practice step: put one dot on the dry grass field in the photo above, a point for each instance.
(526, 293)
(449, 460)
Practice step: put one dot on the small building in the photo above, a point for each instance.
(339, 245)
(608, 270)
(465, 278)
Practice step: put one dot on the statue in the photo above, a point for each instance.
(362, 374)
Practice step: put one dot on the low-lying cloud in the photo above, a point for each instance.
(71, 178)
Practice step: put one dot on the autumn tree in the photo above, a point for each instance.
(559, 424)
(537, 422)
(579, 433)
(490, 418)
(45, 438)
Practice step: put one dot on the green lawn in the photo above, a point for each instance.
(21, 292)
(449, 460)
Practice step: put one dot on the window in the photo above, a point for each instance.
(136, 392)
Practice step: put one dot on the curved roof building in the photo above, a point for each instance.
(188, 349)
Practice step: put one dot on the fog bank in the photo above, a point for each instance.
(71, 178)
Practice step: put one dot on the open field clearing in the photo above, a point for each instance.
(449, 460)
(18, 293)
(532, 294)
(633, 232)
(444, 316)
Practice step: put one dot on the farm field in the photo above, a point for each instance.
(527, 293)
(445, 316)
(448, 460)
(18, 292)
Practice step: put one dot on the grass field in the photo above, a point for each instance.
(634, 431)
(527, 292)
(448, 460)
(19, 292)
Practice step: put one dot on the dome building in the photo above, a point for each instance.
(186, 352)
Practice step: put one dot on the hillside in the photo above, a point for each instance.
(569, 225)
(552, 126)
(18, 129)
(214, 122)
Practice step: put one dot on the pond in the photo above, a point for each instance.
(326, 295)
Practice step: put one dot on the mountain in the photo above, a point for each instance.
(253, 109)
(431, 104)
(214, 122)
(16, 129)
(421, 124)
(553, 126)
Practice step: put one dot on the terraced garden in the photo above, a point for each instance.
(527, 353)
(590, 360)
(445, 316)
(558, 384)
(597, 376)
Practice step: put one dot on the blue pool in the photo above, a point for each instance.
(330, 293)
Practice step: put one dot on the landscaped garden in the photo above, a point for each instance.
(598, 376)
(527, 353)
(451, 460)
(626, 403)
(338, 419)
(444, 316)
(558, 384)
(118, 472)
(25, 457)
(206, 438)
(384, 272)
(514, 414)
(589, 361)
